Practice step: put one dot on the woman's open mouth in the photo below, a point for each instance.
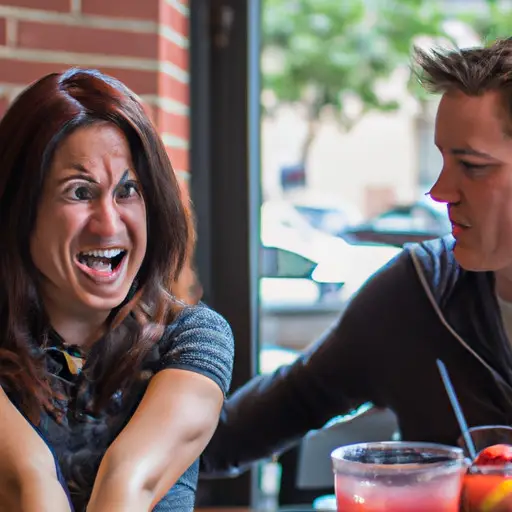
(101, 263)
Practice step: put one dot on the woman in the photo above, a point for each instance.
(110, 387)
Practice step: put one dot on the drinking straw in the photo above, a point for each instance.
(448, 386)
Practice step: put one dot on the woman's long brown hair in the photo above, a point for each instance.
(30, 132)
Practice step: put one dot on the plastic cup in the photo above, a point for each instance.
(398, 477)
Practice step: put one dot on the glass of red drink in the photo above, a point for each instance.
(488, 435)
(487, 489)
(398, 477)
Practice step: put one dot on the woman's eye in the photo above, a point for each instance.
(127, 190)
(81, 193)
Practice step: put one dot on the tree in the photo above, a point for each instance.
(492, 22)
(327, 52)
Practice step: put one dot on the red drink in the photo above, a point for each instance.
(488, 483)
(437, 496)
(488, 489)
(398, 477)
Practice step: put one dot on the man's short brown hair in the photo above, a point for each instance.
(472, 71)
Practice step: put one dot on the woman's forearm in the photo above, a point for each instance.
(42, 493)
(169, 430)
(130, 484)
(33, 492)
(28, 475)
(119, 490)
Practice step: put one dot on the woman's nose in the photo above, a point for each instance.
(105, 221)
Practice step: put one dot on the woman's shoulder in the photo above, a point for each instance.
(198, 316)
(199, 339)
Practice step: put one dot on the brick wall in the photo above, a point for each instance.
(144, 43)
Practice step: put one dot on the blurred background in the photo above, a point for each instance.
(347, 147)
(299, 134)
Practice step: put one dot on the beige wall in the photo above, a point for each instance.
(379, 153)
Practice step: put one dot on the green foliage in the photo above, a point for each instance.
(324, 50)
(319, 52)
(492, 23)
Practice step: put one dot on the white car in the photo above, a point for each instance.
(303, 266)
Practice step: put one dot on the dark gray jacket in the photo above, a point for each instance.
(383, 349)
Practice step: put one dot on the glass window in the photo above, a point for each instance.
(347, 153)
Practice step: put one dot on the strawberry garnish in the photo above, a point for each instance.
(496, 455)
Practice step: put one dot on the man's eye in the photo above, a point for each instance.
(468, 166)
(127, 190)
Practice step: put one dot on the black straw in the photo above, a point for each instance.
(457, 409)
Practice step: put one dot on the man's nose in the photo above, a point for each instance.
(446, 188)
(105, 221)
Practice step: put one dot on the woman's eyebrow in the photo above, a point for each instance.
(80, 173)
(124, 177)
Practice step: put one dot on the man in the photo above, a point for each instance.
(449, 299)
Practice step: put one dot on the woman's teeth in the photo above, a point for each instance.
(103, 253)
(102, 260)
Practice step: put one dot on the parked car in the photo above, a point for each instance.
(324, 212)
(300, 263)
(422, 220)
(290, 279)
(306, 276)
(291, 253)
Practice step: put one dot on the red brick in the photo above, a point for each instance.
(139, 9)
(177, 125)
(171, 52)
(46, 5)
(179, 158)
(51, 36)
(140, 81)
(24, 72)
(169, 87)
(19, 72)
(173, 124)
(174, 19)
(3, 31)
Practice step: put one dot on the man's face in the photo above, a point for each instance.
(476, 179)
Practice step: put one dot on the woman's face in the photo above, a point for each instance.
(90, 234)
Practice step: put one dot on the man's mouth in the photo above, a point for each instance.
(459, 224)
(104, 261)
(458, 229)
